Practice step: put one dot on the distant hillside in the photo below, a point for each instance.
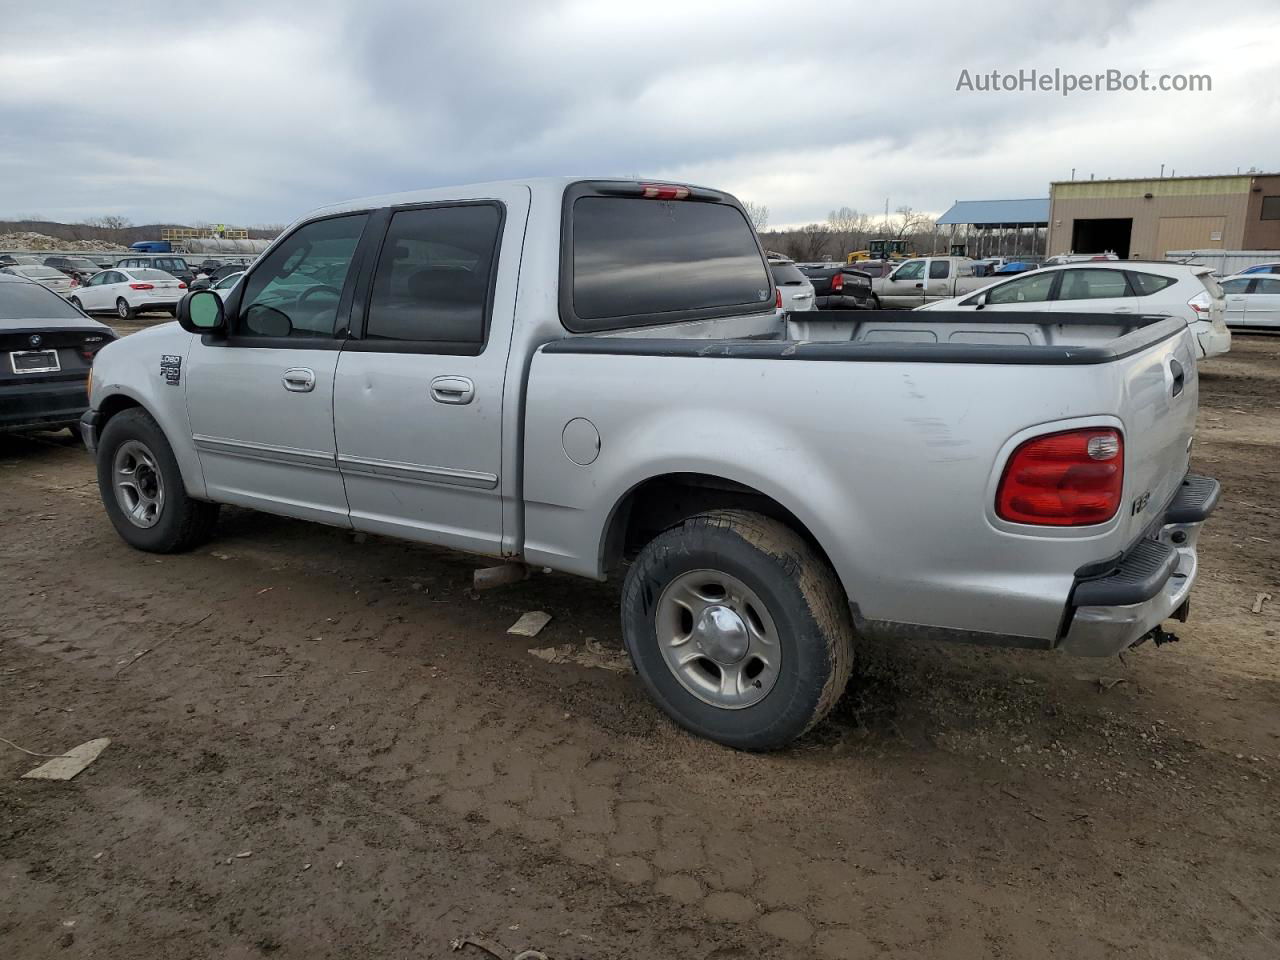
(122, 236)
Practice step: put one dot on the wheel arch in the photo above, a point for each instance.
(119, 400)
(663, 501)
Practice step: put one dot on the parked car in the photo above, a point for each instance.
(1012, 267)
(928, 279)
(170, 264)
(1062, 259)
(1252, 300)
(48, 277)
(874, 268)
(589, 376)
(82, 268)
(1261, 268)
(19, 259)
(128, 292)
(796, 290)
(1179, 290)
(839, 286)
(46, 349)
(223, 287)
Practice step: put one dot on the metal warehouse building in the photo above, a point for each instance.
(1148, 218)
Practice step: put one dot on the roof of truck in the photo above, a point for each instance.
(474, 191)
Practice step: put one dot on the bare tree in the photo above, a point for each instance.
(906, 222)
(849, 229)
(810, 242)
(758, 213)
(110, 222)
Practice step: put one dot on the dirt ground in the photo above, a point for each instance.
(329, 748)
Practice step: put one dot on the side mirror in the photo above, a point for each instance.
(201, 311)
(982, 301)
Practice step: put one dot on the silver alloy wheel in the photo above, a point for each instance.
(718, 639)
(138, 484)
(122, 308)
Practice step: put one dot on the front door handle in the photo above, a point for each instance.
(299, 379)
(452, 390)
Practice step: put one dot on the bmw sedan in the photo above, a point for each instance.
(47, 347)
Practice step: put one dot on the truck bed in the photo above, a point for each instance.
(884, 433)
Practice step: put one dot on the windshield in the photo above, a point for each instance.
(30, 301)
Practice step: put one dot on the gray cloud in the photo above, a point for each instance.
(255, 113)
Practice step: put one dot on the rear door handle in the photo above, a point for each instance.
(299, 379)
(457, 390)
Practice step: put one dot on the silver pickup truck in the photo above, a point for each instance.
(592, 376)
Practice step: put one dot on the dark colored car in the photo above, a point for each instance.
(82, 268)
(839, 286)
(46, 349)
(170, 263)
(18, 260)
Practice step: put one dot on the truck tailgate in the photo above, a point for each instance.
(1160, 397)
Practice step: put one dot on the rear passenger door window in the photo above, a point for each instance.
(433, 284)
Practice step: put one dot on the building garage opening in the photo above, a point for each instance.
(1102, 235)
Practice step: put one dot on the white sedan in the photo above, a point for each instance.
(126, 292)
(1113, 286)
(1253, 300)
(48, 277)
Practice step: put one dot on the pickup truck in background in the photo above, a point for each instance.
(928, 279)
(839, 286)
(591, 376)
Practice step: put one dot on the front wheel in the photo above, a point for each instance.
(141, 487)
(123, 310)
(75, 302)
(738, 629)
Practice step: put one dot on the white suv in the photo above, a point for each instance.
(1113, 286)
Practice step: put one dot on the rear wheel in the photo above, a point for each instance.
(75, 302)
(123, 310)
(141, 487)
(739, 630)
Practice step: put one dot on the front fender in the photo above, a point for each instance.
(141, 368)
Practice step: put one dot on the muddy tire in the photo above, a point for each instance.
(739, 630)
(142, 489)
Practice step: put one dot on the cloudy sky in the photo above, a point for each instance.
(253, 113)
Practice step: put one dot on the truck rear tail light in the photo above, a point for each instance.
(837, 283)
(777, 300)
(142, 286)
(663, 191)
(1069, 479)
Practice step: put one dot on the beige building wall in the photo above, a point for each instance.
(1196, 212)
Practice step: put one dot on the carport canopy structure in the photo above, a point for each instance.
(1000, 227)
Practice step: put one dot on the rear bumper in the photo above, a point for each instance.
(1117, 603)
(1213, 342)
(30, 406)
(843, 302)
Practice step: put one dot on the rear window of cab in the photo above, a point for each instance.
(634, 261)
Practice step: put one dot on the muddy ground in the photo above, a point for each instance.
(324, 748)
